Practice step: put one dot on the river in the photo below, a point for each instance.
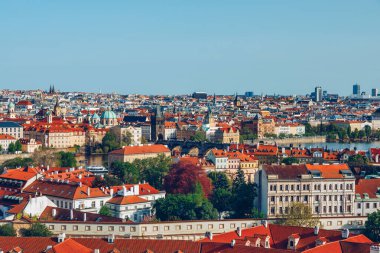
(339, 146)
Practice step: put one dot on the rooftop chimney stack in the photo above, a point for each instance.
(238, 231)
(88, 191)
(53, 212)
(375, 248)
(209, 235)
(345, 233)
(233, 242)
(264, 223)
(84, 217)
(316, 230)
(61, 237)
(71, 214)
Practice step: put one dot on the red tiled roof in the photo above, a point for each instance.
(329, 170)
(126, 200)
(70, 245)
(369, 186)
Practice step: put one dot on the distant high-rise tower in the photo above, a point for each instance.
(318, 93)
(374, 92)
(356, 89)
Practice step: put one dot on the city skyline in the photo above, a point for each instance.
(178, 48)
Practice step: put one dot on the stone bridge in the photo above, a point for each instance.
(192, 148)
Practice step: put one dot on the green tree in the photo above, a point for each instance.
(184, 207)
(349, 130)
(219, 180)
(199, 136)
(243, 196)
(17, 162)
(109, 142)
(357, 160)
(221, 200)
(104, 210)
(126, 172)
(126, 139)
(368, 131)
(143, 140)
(36, 230)
(66, 159)
(106, 181)
(18, 145)
(299, 215)
(11, 148)
(153, 170)
(7, 230)
(372, 226)
(290, 160)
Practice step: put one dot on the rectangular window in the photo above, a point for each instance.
(87, 228)
(99, 228)
(51, 227)
(75, 227)
(122, 229)
(111, 228)
(63, 227)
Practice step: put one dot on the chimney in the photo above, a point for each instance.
(96, 250)
(345, 233)
(80, 184)
(111, 192)
(238, 231)
(316, 230)
(71, 214)
(53, 212)
(61, 237)
(84, 217)
(233, 243)
(209, 235)
(111, 238)
(375, 248)
(136, 189)
(264, 223)
(88, 191)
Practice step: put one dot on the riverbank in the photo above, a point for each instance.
(288, 141)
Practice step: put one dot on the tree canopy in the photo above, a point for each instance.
(152, 170)
(184, 207)
(110, 142)
(36, 230)
(66, 159)
(7, 230)
(372, 226)
(299, 215)
(183, 178)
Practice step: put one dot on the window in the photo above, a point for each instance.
(221, 226)
(199, 226)
(155, 228)
(339, 223)
(272, 210)
(111, 228)
(133, 229)
(51, 227)
(99, 228)
(101, 202)
(166, 228)
(75, 227)
(63, 227)
(232, 225)
(243, 225)
(367, 205)
(374, 205)
(93, 204)
(281, 187)
(87, 228)
(329, 223)
(359, 205)
(210, 226)
(272, 198)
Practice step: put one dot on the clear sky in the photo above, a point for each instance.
(181, 46)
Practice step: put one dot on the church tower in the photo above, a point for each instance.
(157, 124)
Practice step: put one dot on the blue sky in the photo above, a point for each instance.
(177, 47)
